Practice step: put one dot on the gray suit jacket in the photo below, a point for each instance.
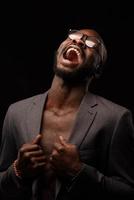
(104, 135)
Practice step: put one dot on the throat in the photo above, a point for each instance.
(62, 96)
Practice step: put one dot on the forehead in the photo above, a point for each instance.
(90, 32)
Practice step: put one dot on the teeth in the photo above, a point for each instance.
(73, 49)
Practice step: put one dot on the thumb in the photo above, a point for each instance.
(37, 139)
(62, 140)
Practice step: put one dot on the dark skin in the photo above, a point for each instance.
(61, 108)
(31, 159)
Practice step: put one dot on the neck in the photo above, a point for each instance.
(62, 96)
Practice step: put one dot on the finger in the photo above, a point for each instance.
(54, 153)
(36, 153)
(38, 165)
(40, 159)
(62, 140)
(30, 147)
(37, 139)
(59, 147)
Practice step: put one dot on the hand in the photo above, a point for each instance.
(65, 158)
(31, 159)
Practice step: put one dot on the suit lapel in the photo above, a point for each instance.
(84, 120)
(35, 115)
(85, 117)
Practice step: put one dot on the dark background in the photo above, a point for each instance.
(31, 32)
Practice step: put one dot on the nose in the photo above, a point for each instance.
(79, 42)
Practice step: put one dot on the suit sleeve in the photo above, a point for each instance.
(118, 182)
(10, 186)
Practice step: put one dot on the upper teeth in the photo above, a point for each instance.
(73, 49)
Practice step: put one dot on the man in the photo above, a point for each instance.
(68, 143)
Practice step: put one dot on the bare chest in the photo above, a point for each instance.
(53, 126)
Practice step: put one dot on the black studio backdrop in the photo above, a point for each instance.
(31, 32)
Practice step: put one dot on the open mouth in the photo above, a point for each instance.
(72, 54)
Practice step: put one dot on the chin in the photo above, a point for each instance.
(75, 77)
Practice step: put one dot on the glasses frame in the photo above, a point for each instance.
(84, 37)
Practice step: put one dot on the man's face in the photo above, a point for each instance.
(74, 60)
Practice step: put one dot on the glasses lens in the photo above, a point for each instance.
(74, 35)
(90, 43)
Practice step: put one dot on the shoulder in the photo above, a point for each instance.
(109, 113)
(110, 107)
(26, 101)
(25, 105)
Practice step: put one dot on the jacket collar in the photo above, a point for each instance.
(86, 115)
(35, 113)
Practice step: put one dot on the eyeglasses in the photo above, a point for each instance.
(90, 41)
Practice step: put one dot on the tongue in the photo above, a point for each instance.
(72, 56)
